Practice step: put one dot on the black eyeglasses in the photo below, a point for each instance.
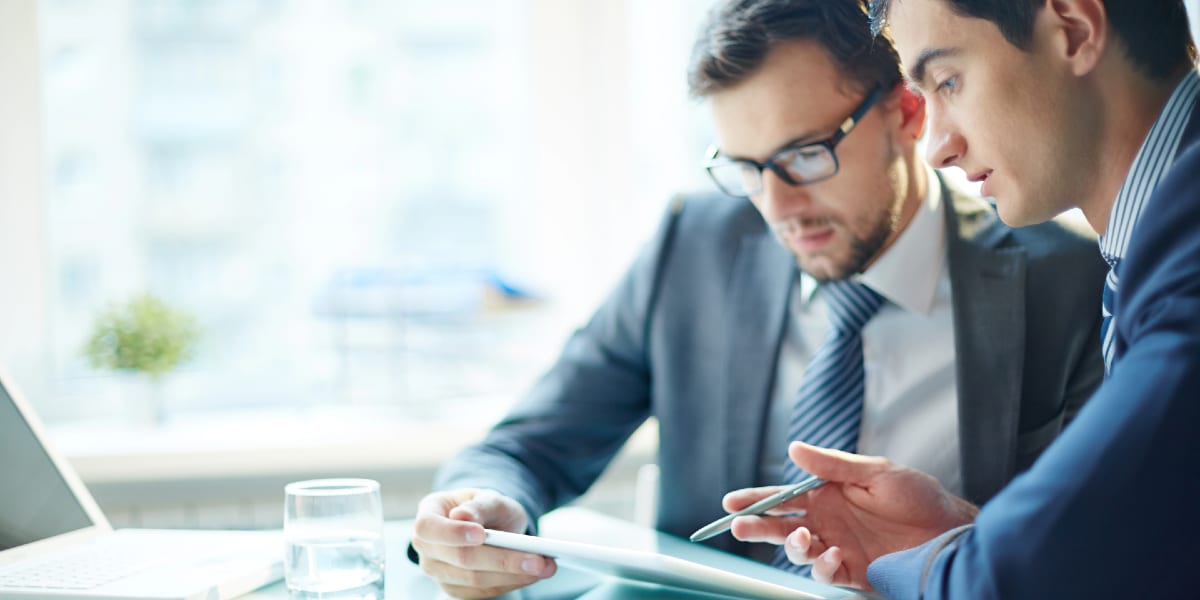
(797, 165)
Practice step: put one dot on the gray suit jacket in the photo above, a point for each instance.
(692, 332)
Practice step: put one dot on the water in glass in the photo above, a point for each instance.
(329, 561)
(334, 534)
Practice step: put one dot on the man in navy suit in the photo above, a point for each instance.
(1053, 104)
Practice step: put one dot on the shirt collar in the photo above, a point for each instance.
(907, 273)
(1148, 168)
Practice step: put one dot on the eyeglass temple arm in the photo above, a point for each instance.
(852, 120)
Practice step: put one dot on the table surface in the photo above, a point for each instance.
(405, 580)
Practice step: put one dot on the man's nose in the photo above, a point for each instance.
(778, 198)
(945, 146)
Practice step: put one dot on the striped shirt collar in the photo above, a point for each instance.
(1149, 166)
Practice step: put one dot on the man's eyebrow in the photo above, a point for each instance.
(917, 73)
(811, 136)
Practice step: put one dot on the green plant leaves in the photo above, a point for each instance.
(143, 334)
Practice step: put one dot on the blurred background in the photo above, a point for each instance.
(383, 216)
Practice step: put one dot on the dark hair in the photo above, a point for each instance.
(1154, 33)
(739, 34)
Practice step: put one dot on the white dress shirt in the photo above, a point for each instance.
(910, 411)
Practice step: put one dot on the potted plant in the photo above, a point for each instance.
(143, 335)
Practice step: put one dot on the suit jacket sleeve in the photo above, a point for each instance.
(1110, 508)
(558, 439)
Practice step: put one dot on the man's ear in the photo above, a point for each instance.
(912, 110)
(1077, 31)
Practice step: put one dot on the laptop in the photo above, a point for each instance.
(56, 543)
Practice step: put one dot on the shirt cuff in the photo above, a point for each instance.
(902, 574)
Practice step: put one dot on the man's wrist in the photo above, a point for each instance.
(903, 574)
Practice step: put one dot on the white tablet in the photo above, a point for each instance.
(646, 566)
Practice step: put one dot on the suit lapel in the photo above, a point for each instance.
(988, 286)
(758, 299)
(1191, 134)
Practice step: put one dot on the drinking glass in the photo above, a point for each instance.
(333, 529)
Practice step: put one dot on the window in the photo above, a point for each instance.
(363, 203)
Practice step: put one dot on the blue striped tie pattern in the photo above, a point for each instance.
(1108, 334)
(829, 404)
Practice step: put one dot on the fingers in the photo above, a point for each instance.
(485, 571)
(492, 510)
(448, 534)
(831, 568)
(434, 530)
(828, 567)
(802, 547)
(772, 530)
(485, 507)
(458, 518)
(836, 466)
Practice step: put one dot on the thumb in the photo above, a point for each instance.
(479, 509)
(492, 510)
(467, 511)
(835, 466)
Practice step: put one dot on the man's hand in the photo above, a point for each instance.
(868, 508)
(448, 535)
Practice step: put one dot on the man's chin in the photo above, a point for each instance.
(823, 268)
(1017, 212)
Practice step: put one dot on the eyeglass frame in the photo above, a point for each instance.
(715, 160)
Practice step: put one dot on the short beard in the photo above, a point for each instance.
(863, 249)
(885, 222)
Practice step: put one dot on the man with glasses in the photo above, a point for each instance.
(837, 292)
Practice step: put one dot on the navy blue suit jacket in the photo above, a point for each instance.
(1112, 508)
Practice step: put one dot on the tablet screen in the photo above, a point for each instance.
(647, 567)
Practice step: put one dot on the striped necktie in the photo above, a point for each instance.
(829, 404)
(1108, 333)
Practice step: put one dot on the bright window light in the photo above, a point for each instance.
(405, 206)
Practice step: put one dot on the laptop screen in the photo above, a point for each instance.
(35, 501)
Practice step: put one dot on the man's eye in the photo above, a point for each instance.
(806, 154)
(948, 84)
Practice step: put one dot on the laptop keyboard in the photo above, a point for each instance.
(91, 567)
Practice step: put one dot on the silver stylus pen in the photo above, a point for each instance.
(724, 523)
